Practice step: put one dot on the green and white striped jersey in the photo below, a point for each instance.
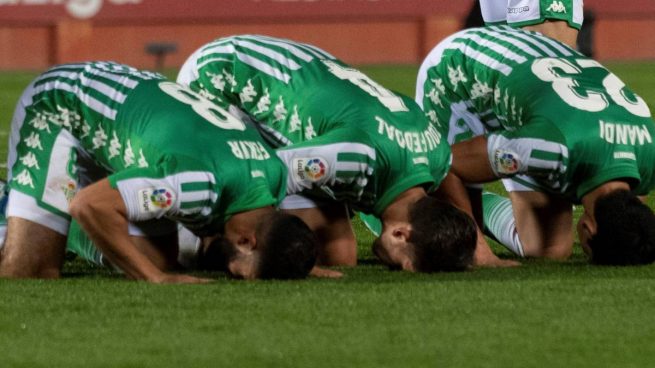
(170, 152)
(582, 126)
(342, 132)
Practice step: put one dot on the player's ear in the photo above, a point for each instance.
(246, 243)
(401, 233)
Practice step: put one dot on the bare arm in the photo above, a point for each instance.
(101, 212)
(471, 164)
(331, 224)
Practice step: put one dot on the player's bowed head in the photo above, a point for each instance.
(621, 231)
(428, 235)
(281, 247)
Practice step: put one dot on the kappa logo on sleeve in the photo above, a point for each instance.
(506, 162)
(310, 169)
(155, 199)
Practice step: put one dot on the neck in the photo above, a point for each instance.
(589, 199)
(243, 226)
(398, 210)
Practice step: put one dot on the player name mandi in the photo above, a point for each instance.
(624, 134)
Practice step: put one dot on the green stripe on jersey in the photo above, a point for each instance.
(195, 204)
(348, 174)
(353, 157)
(546, 155)
(195, 186)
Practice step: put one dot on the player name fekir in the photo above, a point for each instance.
(425, 141)
(624, 133)
(248, 150)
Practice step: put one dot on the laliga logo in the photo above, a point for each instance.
(314, 169)
(161, 198)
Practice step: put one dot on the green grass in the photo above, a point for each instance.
(543, 314)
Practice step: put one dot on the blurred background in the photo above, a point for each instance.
(162, 33)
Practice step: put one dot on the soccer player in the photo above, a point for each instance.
(345, 139)
(126, 152)
(516, 104)
(559, 19)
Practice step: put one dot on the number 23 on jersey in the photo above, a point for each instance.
(559, 71)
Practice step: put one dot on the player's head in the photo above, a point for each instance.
(624, 231)
(287, 248)
(440, 237)
(281, 247)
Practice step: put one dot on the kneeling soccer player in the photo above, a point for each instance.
(126, 152)
(345, 140)
(563, 130)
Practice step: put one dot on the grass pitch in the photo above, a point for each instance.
(543, 314)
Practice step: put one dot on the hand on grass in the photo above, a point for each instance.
(494, 262)
(325, 273)
(172, 278)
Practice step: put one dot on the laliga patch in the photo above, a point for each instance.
(506, 162)
(155, 199)
(309, 169)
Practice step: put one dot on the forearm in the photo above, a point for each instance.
(471, 162)
(102, 216)
(112, 240)
(453, 190)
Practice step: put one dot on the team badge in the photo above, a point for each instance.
(506, 162)
(310, 169)
(69, 190)
(155, 199)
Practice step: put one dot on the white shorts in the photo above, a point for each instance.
(47, 166)
(519, 13)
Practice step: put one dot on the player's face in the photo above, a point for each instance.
(243, 266)
(221, 254)
(393, 252)
(586, 230)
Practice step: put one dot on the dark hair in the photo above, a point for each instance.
(288, 248)
(216, 256)
(443, 236)
(625, 230)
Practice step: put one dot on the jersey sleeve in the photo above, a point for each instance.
(338, 166)
(150, 193)
(538, 150)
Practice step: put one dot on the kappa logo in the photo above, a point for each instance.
(311, 169)
(506, 162)
(155, 199)
(556, 7)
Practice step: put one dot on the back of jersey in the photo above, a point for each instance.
(299, 92)
(135, 125)
(463, 72)
(508, 78)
